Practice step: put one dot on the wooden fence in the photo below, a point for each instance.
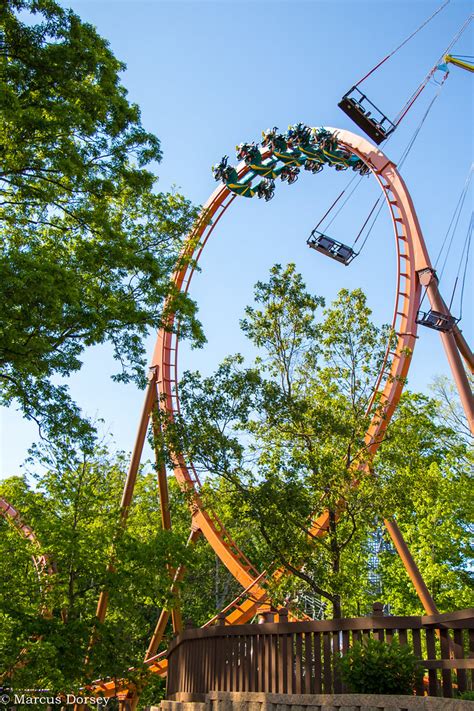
(298, 657)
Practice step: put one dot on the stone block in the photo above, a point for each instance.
(254, 705)
(240, 704)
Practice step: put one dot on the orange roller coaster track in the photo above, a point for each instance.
(414, 271)
(41, 562)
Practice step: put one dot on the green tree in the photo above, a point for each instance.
(87, 243)
(285, 434)
(74, 513)
(426, 473)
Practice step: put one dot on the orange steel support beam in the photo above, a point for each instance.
(161, 469)
(45, 567)
(129, 486)
(451, 341)
(165, 614)
(42, 563)
(459, 375)
(464, 349)
(411, 567)
(164, 499)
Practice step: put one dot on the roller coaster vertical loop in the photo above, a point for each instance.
(414, 269)
(411, 257)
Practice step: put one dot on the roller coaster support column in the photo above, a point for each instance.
(150, 399)
(165, 614)
(411, 567)
(164, 498)
(430, 280)
(464, 349)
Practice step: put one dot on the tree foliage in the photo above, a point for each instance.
(426, 473)
(73, 508)
(285, 433)
(87, 241)
(74, 512)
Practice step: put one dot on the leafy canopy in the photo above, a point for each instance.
(87, 243)
(74, 512)
(277, 441)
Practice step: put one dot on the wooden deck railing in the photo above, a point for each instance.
(298, 657)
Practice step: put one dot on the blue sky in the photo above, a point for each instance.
(209, 75)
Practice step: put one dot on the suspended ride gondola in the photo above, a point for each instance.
(345, 254)
(331, 247)
(436, 320)
(372, 120)
(366, 115)
(445, 321)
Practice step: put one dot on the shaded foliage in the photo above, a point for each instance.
(87, 242)
(74, 513)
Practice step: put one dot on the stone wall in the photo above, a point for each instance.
(256, 701)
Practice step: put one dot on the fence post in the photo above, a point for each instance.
(377, 609)
(265, 616)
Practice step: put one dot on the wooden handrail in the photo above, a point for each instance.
(298, 657)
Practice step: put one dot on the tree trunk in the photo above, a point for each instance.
(335, 563)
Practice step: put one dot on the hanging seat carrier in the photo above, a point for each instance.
(366, 115)
(331, 247)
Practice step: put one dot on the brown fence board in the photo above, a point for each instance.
(249, 664)
(308, 663)
(459, 652)
(298, 663)
(289, 664)
(240, 658)
(254, 673)
(233, 666)
(261, 663)
(431, 651)
(446, 675)
(403, 636)
(471, 653)
(282, 684)
(317, 664)
(337, 683)
(345, 648)
(327, 672)
(416, 639)
(268, 663)
(228, 671)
